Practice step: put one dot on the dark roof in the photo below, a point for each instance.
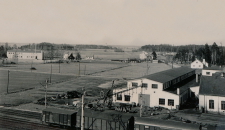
(213, 68)
(168, 75)
(183, 87)
(61, 111)
(212, 85)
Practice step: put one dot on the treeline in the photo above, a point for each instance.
(49, 46)
(213, 54)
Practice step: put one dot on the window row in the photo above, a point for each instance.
(162, 102)
(144, 85)
(126, 97)
(211, 104)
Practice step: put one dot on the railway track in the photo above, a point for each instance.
(15, 119)
(22, 124)
(21, 113)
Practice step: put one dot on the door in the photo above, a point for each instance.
(144, 99)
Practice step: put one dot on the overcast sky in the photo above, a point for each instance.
(113, 22)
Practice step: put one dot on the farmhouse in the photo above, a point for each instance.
(19, 54)
(212, 93)
(197, 64)
(160, 89)
(143, 55)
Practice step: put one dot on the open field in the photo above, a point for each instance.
(71, 68)
(19, 80)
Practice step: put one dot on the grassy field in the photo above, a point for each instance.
(19, 81)
(72, 68)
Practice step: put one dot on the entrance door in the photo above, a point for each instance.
(144, 99)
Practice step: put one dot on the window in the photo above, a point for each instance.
(134, 84)
(199, 65)
(170, 102)
(211, 104)
(161, 101)
(208, 73)
(127, 97)
(144, 85)
(119, 96)
(222, 105)
(154, 85)
(193, 65)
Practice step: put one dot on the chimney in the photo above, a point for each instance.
(178, 91)
(203, 61)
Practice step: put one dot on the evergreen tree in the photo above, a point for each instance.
(207, 53)
(154, 55)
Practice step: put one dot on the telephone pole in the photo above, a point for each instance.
(8, 83)
(46, 92)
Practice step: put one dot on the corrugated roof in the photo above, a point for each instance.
(168, 75)
(61, 111)
(212, 85)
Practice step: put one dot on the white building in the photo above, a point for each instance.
(89, 57)
(197, 64)
(212, 94)
(211, 70)
(65, 56)
(159, 89)
(143, 55)
(19, 54)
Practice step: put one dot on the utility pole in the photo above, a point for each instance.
(51, 74)
(59, 66)
(46, 92)
(82, 112)
(8, 83)
(84, 69)
(79, 69)
(141, 98)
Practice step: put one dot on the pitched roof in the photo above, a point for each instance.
(212, 85)
(168, 75)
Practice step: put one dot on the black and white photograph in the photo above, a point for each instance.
(112, 65)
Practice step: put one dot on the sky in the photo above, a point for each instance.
(113, 22)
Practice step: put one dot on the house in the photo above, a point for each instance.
(89, 57)
(197, 64)
(212, 93)
(211, 70)
(20, 55)
(158, 89)
(143, 55)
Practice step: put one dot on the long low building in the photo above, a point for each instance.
(159, 89)
(19, 54)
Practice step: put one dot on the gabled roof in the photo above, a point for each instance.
(168, 75)
(212, 85)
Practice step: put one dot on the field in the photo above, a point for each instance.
(94, 75)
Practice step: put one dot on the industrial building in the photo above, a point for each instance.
(166, 89)
(24, 55)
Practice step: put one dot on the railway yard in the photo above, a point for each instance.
(21, 108)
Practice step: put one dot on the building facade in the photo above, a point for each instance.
(19, 54)
(197, 64)
(159, 89)
(212, 94)
(211, 70)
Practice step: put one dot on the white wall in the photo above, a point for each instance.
(197, 64)
(154, 93)
(195, 90)
(24, 55)
(210, 71)
(204, 102)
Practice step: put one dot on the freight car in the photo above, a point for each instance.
(63, 118)
(158, 124)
